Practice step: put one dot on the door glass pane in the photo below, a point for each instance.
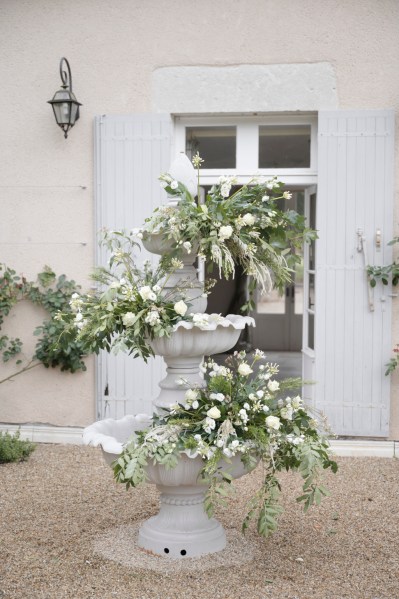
(299, 288)
(284, 146)
(312, 225)
(270, 303)
(311, 292)
(216, 145)
(311, 331)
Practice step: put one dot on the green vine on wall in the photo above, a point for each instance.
(54, 348)
(387, 273)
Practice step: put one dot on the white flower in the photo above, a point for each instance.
(75, 296)
(225, 190)
(152, 318)
(227, 452)
(200, 320)
(296, 402)
(246, 406)
(266, 409)
(287, 195)
(248, 219)
(180, 308)
(217, 396)
(265, 198)
(273, 422)
(214, 413)
(187, 246)
(225, 232)
(78, 317)
(235, 443)
(147, 293)
(209, 425)
(273, 385)
(198, 438)
(191, 394)
(286, 413)
(244, 369)
(174, 184)
(219, 443)
(156, 288)
(260, 394)
(128, 319)
(195, 404)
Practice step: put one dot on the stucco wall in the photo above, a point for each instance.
(114, 48)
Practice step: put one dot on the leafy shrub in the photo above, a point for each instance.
(14, 449)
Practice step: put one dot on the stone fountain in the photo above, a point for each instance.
(182, 527)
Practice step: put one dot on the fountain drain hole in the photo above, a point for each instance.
(183, 552)
(166, 550)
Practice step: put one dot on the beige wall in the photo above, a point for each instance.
(114, 47)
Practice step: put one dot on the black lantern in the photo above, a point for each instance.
(64, 103)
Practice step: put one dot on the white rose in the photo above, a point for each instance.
(128, 319)
(273, 422)
(214, 413)
(180, 308)
(147, 293)
(265, 198)
(260, 394)
(248, 219)
(225, 190)
(174, 185)
(273, 385)
(187, 246)
(156, 288)
(225, 232)
(235, 443)
(244, 369)
(195, 404)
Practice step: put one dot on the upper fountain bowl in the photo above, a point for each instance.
(190, 340)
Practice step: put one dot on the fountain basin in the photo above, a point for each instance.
(181, 528)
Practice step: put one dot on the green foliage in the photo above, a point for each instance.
(13, 449)
(54, 347)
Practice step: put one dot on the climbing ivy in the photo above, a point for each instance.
(385, 274)
(54, 348)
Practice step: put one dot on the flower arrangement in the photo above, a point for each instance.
(240, 413)
(243, 226)
(133, 305)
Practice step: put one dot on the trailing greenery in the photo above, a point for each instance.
(54, 347)
(237, 415)
(14, 449)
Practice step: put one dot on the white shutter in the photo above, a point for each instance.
(131, 152)
(352, 342)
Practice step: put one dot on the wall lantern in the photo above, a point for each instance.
(64, 103)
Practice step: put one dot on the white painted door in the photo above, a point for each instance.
(353, 337)
(131, 152)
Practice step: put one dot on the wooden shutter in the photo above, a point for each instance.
(131, 151)
(352, 340)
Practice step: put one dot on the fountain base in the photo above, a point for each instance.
(181, 528)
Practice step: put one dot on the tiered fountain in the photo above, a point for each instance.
(182, 527)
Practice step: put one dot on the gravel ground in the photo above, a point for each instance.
(60, 512)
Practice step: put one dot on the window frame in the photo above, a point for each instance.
(247, 146)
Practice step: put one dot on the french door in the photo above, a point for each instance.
(279, 317)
